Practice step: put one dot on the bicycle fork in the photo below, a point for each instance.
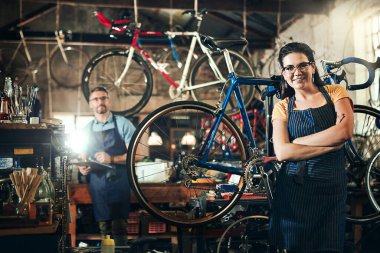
(126, 68)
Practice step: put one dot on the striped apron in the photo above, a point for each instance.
(308, 213)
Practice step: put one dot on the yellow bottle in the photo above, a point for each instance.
(108, 245)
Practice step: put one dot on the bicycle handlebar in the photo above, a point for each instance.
(371, 67)
(117, 26)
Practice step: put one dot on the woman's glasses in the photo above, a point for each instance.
(290, 69)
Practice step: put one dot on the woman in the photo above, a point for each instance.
(310, 126)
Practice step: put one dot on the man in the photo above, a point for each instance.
(108, 138)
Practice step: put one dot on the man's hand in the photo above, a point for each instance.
(103, 157)
(84, 170)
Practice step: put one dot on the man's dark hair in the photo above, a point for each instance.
(99, 88)
(296, 47)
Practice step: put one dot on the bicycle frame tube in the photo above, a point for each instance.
(189, 55)
(127, 65)
(196, 39)
(60, 46)
(234, 87)
(135, 46)
(213, 66)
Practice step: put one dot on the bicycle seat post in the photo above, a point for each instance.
(228, 61)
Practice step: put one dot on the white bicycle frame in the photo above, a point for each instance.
(181, 87)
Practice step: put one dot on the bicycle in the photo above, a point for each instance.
(202, 168)
(248, 234)
(128, 78)
(364, 145)
(64, 62)
(198, 176)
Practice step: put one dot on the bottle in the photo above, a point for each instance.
(44, 197)
(4, 113)
(108, 245)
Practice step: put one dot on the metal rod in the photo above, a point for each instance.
(29, 20)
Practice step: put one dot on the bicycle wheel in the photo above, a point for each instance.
(372, 181)
(14, 64)
(271, 66)
(365, 141)
(374, 90)
(202, 74)
(169, 168)
(68, 74)
(248, 234)
(135, 89)
(359, 150)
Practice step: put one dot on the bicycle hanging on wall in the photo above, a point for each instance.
(127, 75)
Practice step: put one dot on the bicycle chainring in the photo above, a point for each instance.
(252, 175)
(177, 95)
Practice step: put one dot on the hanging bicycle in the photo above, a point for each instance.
(128, 78)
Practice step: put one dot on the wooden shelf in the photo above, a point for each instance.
(45, 229)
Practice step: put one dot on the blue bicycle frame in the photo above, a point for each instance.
(235, 88)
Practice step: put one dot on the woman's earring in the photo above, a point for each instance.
(313, 77)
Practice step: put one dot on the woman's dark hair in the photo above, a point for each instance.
(296, 47)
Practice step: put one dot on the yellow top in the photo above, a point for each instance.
(336, 92)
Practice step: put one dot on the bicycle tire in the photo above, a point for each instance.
(175, 168)
(271, 67)
(372, 181)
(374, 90)
(68, 75)
(257, 225)
(366, 143)
(201, 72)
(104, 69)
(366, 125)
(13, 63)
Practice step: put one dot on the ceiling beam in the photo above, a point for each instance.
(44, 10)
(264, 6)
(238, 25)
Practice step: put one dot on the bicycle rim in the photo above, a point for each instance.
(135, 88)
(365, 142)
(202, 73)
(13, 64)
(271, 67)
(68, 74)
(171, 162)
(248, 234)
(372, 181)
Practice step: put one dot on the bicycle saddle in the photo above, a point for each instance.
(220, 44)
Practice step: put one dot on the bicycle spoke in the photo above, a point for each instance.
(130, 93)
(179, 166)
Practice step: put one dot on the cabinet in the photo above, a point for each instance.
(21, 146)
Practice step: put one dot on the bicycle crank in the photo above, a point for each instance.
(178, 95)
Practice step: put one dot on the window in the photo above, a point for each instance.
(372, 51)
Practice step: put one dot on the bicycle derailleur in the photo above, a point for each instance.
(188, 169)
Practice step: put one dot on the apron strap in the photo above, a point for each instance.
(301, 165)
